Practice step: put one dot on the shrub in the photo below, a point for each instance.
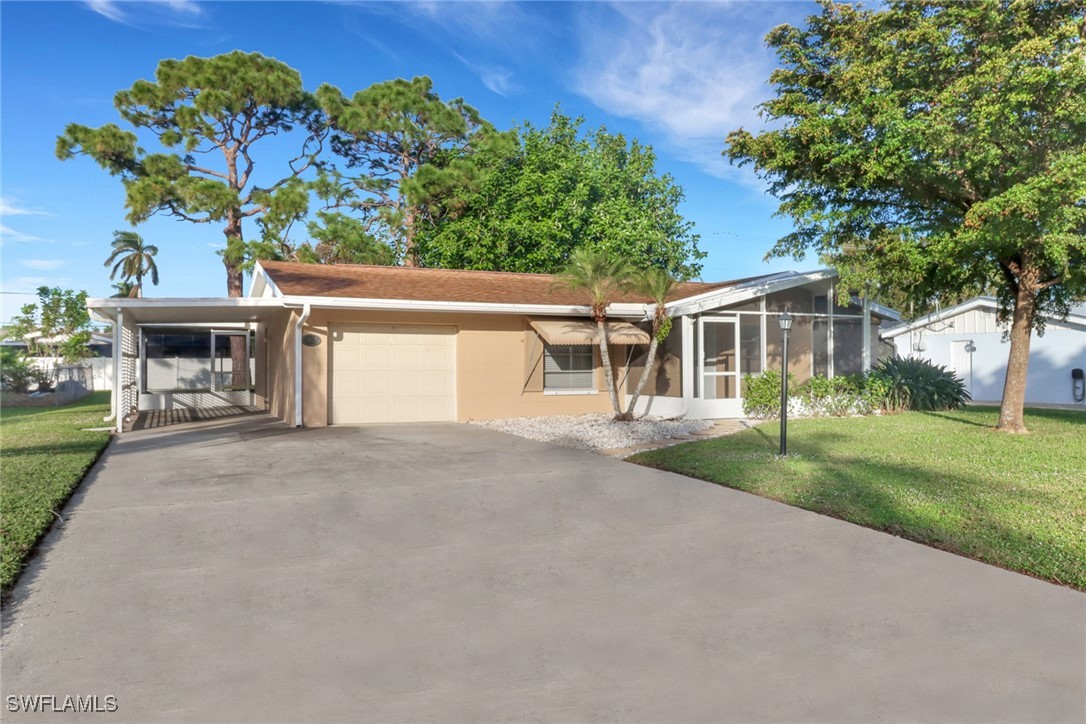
(836, 396)
(916, 384)
(19, 374)
(16, 373)
(762, 394)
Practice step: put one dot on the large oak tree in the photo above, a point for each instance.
(559, 189)
(936, 147)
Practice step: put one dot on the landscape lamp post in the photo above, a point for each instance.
(786, 324)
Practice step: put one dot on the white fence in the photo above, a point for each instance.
(99, 375)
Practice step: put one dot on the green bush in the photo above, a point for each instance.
(762, 394)
(17, 374)
(836, 396)
(916, 384)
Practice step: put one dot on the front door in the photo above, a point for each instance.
(961, 362)
(718, 380)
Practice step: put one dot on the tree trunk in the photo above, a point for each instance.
(644, 377)
(233, 258)
(608, 372)
(410, 256)
(1012, 408)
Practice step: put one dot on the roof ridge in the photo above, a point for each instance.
(412, 268)
(336, 265)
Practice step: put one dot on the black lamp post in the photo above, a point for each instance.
(786, 324)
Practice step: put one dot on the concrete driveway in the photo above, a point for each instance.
(245, 571)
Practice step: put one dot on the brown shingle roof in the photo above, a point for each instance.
(440, 285)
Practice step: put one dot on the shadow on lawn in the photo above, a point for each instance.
(951, 511)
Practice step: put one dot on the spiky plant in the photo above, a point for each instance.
(920, 385)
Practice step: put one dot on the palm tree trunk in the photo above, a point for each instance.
(608, 372)
(644, 377)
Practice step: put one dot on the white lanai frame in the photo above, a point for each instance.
(717, 311)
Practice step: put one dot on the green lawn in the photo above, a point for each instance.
(43, 456)
(946, 479)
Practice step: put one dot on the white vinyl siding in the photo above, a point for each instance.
(569, 367)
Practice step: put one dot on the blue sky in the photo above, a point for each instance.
(677, 76)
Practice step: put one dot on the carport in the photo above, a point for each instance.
(181, 355)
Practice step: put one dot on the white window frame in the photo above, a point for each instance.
(547, 350)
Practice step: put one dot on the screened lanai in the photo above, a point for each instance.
(717, 340)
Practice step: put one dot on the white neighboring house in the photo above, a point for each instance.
(968, 340)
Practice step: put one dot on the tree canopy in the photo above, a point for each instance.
(402, 151)
(559, 189)
(207, 114)
(935, 148)
(57, 325)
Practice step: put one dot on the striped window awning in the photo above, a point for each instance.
(574, 331)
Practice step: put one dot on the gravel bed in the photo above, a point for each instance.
(595, 431)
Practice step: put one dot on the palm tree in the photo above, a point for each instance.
(124, 289)
(133, 259)
(656, 284)
(603, 277)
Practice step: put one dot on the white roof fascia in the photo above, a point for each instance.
(743, 292)
(885, 312)
(639, 311)
(1073, 317)
(105, 309)
(939, 316)
(263, 286)
(879, 309)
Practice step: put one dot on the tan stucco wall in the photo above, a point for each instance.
(279, 331)
(665, 379)
(493, 366)
(260, 371)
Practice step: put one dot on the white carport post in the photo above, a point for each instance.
(115, 396)
(867, 334)
(298, 364)
(690, 365)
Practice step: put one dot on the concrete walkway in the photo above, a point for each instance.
(243, 571)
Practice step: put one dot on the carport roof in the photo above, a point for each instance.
(441, 285)
(224, 310)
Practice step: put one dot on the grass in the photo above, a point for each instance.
(945, 479)
(44, 453)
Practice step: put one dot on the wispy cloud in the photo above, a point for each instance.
(11, 207)
(9, 234)
(27, 283)
(691, 72)
(43, 264)
(491, 21)
(496, 78)
(135, 12)
(108, 9)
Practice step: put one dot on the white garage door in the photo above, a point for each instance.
(393, 373)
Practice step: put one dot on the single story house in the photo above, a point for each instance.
(344, 344)
(969, 340)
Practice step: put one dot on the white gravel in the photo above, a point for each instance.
(595, 431)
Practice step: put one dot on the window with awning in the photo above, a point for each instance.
(562, 332)
(569, 367)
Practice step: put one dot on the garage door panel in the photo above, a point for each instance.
(385, 373)
(405, 358)
(434, 384)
